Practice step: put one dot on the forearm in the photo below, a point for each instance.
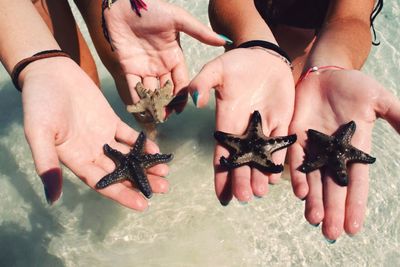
(239, 20)
(23, 32)
(345, 38)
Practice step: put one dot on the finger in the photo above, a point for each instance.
(356, 201)
(180, 76)
(128, 197)
(259, 183)
(298, 179)
(314, 210)
(188, 24)
(279, 156)
(210, 76)
(165, 78)
(132, 81)
(334, 197)
(388, 107)
(125, 134)
(241, 186)
(158, 184)
(47, 164)
(222, 181)
(151, 83)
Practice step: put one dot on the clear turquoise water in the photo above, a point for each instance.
(188, 227)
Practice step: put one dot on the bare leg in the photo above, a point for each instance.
(58, 17)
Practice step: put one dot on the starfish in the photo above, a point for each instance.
(253, 148)
(132, 166)
(334, 152)
(153, 102)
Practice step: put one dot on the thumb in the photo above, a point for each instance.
(47, 164)
(188, 24)
(388, 108)
(210, 76)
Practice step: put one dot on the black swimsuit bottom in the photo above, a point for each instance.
(306, 14)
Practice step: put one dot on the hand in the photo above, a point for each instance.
(148, 47)
(67, 118)
(325, 100)
(246, 80)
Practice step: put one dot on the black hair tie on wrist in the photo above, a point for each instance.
(266, 45)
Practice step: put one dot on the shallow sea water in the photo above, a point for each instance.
(187, 226)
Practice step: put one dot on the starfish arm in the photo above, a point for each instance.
(230, 164)
(359, 156)
(230, 141)
(116, 156)
(312, 165)
(281, 142)
(136, 108)
(150, 160)
(139, 179)
(255, 125)
(345, 132)
(114, 177)
(142, 91)
(267, 166)
(318, 137)
(139, 145)
(339, 172)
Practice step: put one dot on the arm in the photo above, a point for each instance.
(17, 33)
(345, 38)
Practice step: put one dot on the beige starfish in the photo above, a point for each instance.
(154, 102)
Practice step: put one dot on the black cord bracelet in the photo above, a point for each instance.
(266, 45)
(20, 66)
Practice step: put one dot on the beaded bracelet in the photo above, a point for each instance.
(20, 66)
(136, 5)
(268, 46)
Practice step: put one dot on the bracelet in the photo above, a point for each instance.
(268, 46)
(136, 5)
(20, 66)
(314, 69)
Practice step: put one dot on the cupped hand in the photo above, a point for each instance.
(246, 80)
(325, 100)
(67, 118)
(148, 46)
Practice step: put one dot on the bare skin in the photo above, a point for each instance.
(147, 48)
(66, 118)
(344, 40)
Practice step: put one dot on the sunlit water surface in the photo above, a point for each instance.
(187, 226)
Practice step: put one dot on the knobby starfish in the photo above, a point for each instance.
(153, 102)
(253, 148)
(132, 166)
(334, 153)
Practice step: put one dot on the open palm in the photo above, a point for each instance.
(325, 100)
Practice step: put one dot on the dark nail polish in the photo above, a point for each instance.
(52, 184)
(330, 241)
(195, 97)
(315, 225)
(258, 197)
(224, 203)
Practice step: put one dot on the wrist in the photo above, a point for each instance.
(48, 68)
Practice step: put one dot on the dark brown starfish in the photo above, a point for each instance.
(334, 152)
(253, 148)
(132, 166)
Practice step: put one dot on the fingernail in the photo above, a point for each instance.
(224, 203)
(315, 225)
(330, 241)
(243, 203)
(226, 39)
(258, 197)
(195, 97)
(52, 184)
(304, 198)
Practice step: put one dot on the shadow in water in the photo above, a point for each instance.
(10, 107)
(20, 247)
